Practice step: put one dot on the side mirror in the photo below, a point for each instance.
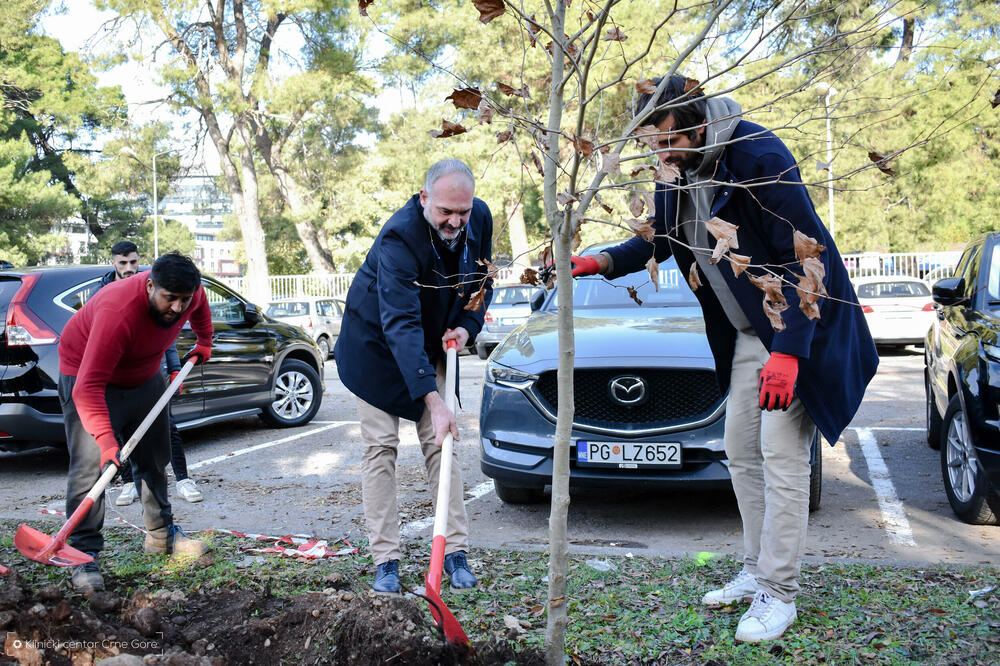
(252, 315)
(949, 291)
(537, 300)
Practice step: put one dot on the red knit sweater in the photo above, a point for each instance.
(113, 340)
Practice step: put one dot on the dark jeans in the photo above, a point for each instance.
(127, 408)
(178, 462)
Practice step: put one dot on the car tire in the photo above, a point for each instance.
(816, 474)
(933, 418)
(970, 494)
(297, 395)
(519, 494)
(482, 352)
(324, 347)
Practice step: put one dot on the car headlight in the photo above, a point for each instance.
(505, 376)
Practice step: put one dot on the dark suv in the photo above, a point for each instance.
(962, 382)
(258, 365)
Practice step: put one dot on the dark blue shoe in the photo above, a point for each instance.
(457, 566)
(387, 578)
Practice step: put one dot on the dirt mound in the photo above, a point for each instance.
(51, 625)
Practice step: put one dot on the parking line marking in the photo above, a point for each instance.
(265, 445)
(415, 526)
(891, 428)
(893, 515)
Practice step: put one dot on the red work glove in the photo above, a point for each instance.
(109, 450)
(584, 266)
(777, 381)
(173, 375)
(203, 352)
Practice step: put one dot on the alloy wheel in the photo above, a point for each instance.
(963, 465)
(293, 395)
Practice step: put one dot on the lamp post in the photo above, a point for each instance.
(825, 91)
(156, 200)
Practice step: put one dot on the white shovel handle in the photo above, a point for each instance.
(447, 448)
(133, 441)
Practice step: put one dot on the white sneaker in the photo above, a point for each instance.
(128, 494)
(741, 588)
(766, 620)
(189, 491)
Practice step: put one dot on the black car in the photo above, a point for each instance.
(258, 365)
(649, 413)
(962, 382)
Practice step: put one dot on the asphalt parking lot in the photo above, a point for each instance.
(883, 497)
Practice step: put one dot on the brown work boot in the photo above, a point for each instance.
(175, 543)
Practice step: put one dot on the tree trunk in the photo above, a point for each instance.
(519, 248)
(906, 45)
(259, 287)
(555, 634)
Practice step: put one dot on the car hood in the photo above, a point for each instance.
(612, 337)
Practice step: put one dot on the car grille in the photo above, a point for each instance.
(674, 397)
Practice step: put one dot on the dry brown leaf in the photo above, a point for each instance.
(642, 228)
(653, 267)
(476, 301)
(636, 171)
(584, 146)
(545, 256)
(611, 163)
(693, 85)
(504, 137)
(636, 204)
(667, 173)
(694, 281)
(614, 35)
(739, 262)
(465, 98)
(576, 241)
(808, 296)
(571, 49)
(530, 276)
(634, 294)
(647, 198)
(773, 311)
(648, 134)
(538, 163)
(564, 198)
(769, 284)
(489, 9)
(448, 129)
(882, 162)
(363, 6)
(805, 246)
(600, 202)
(491, 269)
(814, 268)
(645, 86)
(484, 112)
(513, 92)
(725, 235)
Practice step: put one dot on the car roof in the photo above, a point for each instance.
(68, 270)
(296, 299)
(875, 279)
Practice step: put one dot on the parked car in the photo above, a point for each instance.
(5, 265)
(962, 382)
(898, 309)
(508, 310)
(258, 365)
(649, 412)
(319, 317)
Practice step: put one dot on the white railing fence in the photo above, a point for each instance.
(932, 265)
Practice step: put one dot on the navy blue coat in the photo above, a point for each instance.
(390, 335)
(765, 199)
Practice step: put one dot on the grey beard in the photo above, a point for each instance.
(452, 243)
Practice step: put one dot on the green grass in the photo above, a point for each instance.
(645, 610)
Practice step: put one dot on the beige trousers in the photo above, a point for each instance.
(769, 462)
(380, 432)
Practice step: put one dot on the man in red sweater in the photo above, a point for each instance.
(109, 380)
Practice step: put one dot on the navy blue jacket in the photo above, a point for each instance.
(390, 335)
(766, 200)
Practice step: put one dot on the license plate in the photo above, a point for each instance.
(512, 321)
(628, 455)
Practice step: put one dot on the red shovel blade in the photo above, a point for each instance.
(443, 616)
(48, 550)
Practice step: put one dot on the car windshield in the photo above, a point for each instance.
(892, 289)
(512, 295)
(598, 292)
(288, 309)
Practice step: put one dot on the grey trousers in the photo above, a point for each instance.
(769, 462)
(127, 408)
(380, 432)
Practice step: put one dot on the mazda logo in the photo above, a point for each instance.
(628, 390)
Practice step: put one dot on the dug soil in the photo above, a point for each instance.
(52, 625)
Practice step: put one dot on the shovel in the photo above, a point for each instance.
(443, 617)
(53, 550)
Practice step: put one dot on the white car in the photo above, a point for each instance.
(898, 308)
(318, 316)
(509, 308)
